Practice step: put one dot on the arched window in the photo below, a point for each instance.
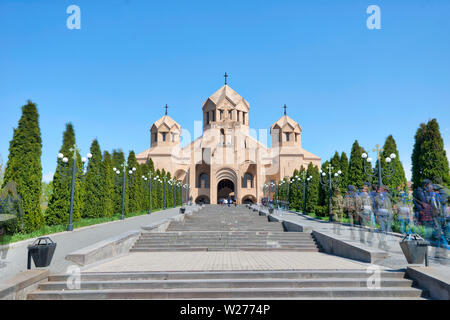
(247, 181)
(203, 181)
(222, 137)
(287, 136)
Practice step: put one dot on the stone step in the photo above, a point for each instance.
(224, 246)
(169, 248)
(221, 241)
(190, 275)
(226, 293)
(228, 283)
(227, 233)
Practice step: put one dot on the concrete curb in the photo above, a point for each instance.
(18, 287)
(104, 249)
(289, 226)
(349, 250)
(161, 226)
(333, 245)
(437, 285)
(31, 240)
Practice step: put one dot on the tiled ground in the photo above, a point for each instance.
(223, 260)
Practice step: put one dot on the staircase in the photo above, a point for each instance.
(235, 228)
(225, 241)
(217, 228)
(304, 284)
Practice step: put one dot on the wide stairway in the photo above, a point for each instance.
(298, 284)
(217, 228)
(223, 228)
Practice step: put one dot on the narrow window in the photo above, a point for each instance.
(230, 114)
(164, 136)
(287, 136)
(221, 114)
(207, 118)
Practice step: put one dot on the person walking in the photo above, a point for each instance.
(366, 213)
(383, 207)
(337, 209)
(350, 207)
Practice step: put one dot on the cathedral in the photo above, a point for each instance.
(227, 161)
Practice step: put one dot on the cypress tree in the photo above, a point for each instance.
(145, 172)
(135, 185)
(93, 188)
(356, 174)
(300, 188)
(24, 166)
(293, 191)
(118, 158)
(312, 193)
(415, 156)
(163, 185)
(429, 159)
(398, 179)
(159, 190)
(107, 186)
(323, 191)
(59, 204)
(2, 171)
(344, 169)
(335, 162)
(169, 190)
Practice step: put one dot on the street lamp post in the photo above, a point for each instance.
(74, 149)
(386, 172)
(332, 182)
(165, 203)
(149, 179)
(186, 187)
(172, 183)
(305, 183)
(130, 172)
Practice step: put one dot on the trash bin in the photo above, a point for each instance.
(415, 249)
(42, 251)
(182, 210)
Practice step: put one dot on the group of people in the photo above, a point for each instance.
(377, 208)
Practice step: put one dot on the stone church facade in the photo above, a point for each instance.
(227, 161)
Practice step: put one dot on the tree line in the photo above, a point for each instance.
(99, 193)
(429, 161)
(98, 188)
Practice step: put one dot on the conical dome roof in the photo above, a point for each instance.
(226, 96)
(166, 121)
(285, 122)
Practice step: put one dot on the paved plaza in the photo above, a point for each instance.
(438, 258)
(226, 260)
(13, 257)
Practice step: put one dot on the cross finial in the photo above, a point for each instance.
(226, 76)
(166, 108)
(284, 107)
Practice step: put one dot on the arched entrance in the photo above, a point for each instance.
(249, 199)
(202, 200)
(225, 190)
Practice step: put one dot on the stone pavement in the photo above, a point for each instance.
(225, 261)
(227, 269)
(437, 257)
(13, 257)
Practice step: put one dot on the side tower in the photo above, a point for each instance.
(164, 144)
(287, 147)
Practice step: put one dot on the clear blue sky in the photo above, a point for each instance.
(341, 81)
